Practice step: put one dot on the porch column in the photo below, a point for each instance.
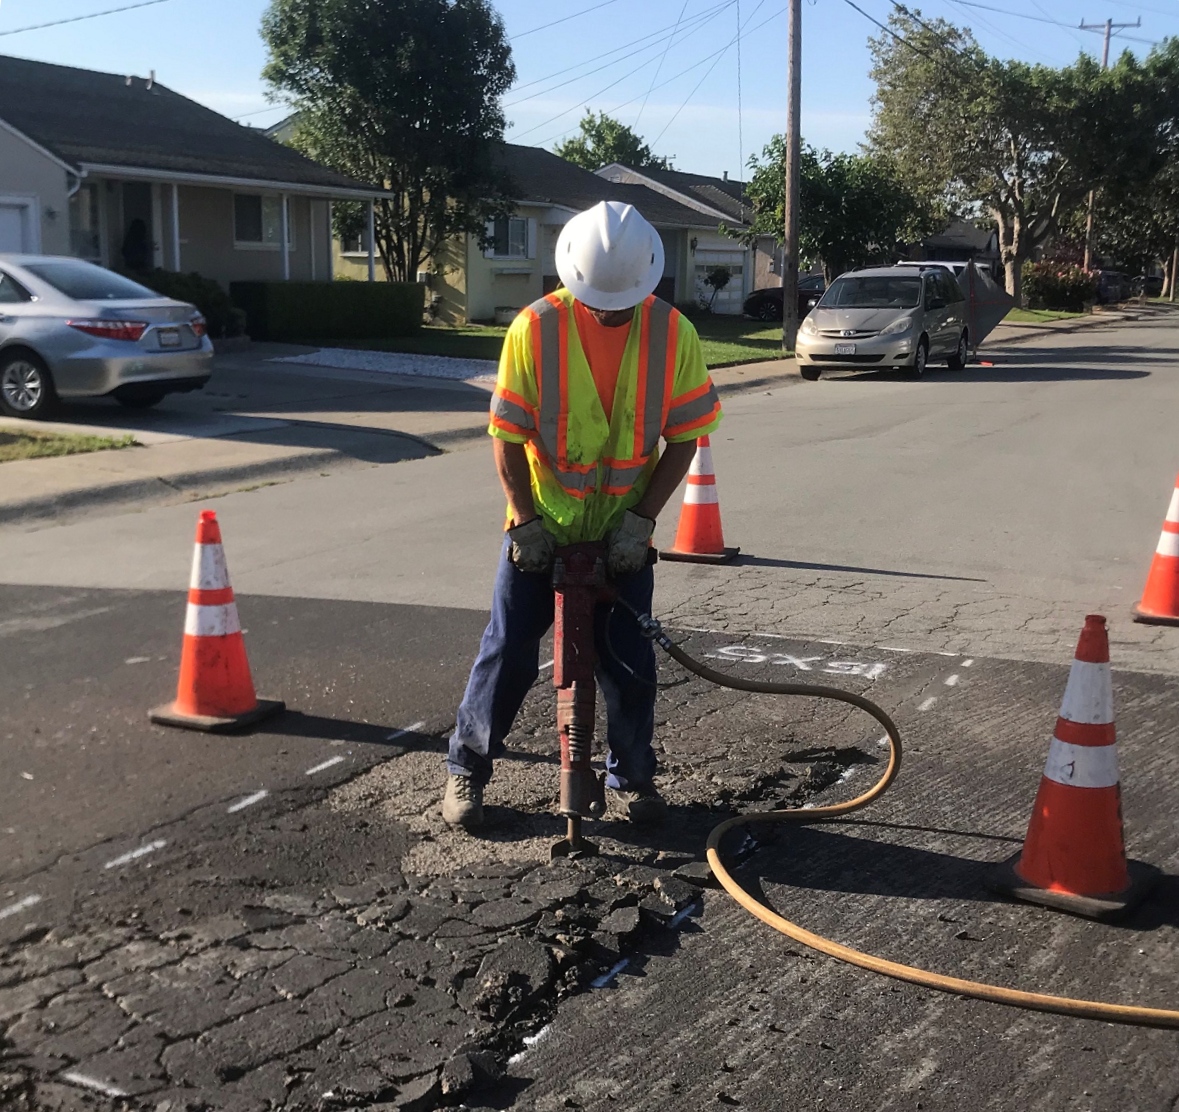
(372, 227)
(285, 233)
(175, 227)
(331, 246)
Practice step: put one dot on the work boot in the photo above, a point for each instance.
(462, 805)
(642, 805)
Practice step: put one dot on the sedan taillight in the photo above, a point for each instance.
(130, 330)
(198, 326)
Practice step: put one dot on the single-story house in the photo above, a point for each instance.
(960, 241)
(472, 283)
(123, 171)
(753, 268)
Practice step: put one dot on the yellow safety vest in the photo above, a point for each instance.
(586, 470)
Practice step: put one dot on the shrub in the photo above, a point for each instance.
(693, 310)
(315, 311)
(221, 315)
(1057, 285)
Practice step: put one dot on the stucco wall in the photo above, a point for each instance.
(26, 172)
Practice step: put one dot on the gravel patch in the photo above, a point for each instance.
(395, 363)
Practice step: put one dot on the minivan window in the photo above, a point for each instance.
(882, 292)
(86, 282)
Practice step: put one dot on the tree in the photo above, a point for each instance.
(1022, 143)
(604, 140)
(1138, 225)
(402, 93)
(716, 280)
(854, 208)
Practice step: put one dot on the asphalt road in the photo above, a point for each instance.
(332, 937)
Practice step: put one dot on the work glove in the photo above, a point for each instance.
(532, 546)
(626, 546)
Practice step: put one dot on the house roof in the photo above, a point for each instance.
(89, 118)
(961, 235)
(539, 176)
(721, 193)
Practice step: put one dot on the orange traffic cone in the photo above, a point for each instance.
(699, 538)
(1160, 600)
(1074, 856)
(215, 693)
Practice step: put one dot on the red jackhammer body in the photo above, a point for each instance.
(579, 585)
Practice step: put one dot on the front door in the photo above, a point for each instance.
(137, 246)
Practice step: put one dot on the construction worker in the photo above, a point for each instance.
(590, 378)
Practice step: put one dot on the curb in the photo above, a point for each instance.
(1038, 331)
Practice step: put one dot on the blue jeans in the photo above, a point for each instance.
(508, 664)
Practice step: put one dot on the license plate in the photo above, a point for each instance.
(169, 337)
(845, 349)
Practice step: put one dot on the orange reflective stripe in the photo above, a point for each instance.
(689, 426)
(692, 395)
(515, 398)
(507, 426)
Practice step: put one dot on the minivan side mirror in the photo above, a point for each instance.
(935, 303)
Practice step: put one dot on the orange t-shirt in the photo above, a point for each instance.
(603, 350)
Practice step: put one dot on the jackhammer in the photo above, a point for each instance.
(579, 585)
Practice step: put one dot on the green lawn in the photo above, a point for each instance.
(22, 444)
(726, 340)
(1038, 316)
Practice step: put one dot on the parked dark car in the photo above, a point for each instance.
(1112, 286)
(767, 304)
(1149, 284)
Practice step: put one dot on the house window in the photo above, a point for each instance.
(509, 238)
(257, 221)
(85, 239)
(355, 245)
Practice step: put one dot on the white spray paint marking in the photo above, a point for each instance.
(610, 974)
(928, 703)
(682, 914)
(93, 1083)
(26, 775)
(529, 1042)
(137, 660)
(967, 663)
(546, 664)
(408, 730)
(848, 773)
(883, 741)
(326, 764)
(19, 906)
(743, 654)
(135, 854)
(898, 649)
(952, 681)
(248, 801)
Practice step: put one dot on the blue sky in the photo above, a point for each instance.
(684, 99)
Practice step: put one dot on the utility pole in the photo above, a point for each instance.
(791, 184)
(1107, 29)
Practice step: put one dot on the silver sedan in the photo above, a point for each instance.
(70, 329)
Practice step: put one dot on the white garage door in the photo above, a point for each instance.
(12, 228)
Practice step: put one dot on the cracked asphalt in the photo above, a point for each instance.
(281, 920)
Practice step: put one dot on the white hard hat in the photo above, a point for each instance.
(609, 257)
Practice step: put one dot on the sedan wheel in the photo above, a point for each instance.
(26, 387)
(769, 310)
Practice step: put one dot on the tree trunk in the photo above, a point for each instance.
(1174, 271)
(1013, 272)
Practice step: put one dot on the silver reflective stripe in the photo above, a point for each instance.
(548, 375)
(624, 477)
(658, 386)
(511, 412)
(693, 410)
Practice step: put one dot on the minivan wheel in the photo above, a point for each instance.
(811, 374)
(26, 386)
(921, 358)
(957, 361)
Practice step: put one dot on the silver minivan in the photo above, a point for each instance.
(70, 329)
(884, 317)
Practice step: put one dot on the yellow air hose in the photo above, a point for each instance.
(1063, 1005)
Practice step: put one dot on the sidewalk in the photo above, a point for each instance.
(1019, 332)
(260, 421)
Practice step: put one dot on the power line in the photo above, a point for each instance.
(889, 31)
(708, 16)
(79, 18)
(663, 57)
(563, 19)
(720, 55)
(1042, 19)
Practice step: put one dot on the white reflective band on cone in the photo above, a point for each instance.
(1088, 695)
(211, 621)
(1082, 766)
(1173, 508)
(1168, 544)
(702, 462)
(700, 496)
(209, 571)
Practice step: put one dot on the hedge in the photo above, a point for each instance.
(1060, 286)
(315, 311)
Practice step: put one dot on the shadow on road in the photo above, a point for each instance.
(769, 562)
